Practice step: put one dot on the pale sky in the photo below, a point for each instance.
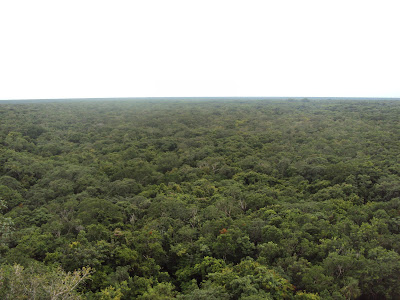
(178, 48)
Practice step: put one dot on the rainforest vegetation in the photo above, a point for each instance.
(200, 200)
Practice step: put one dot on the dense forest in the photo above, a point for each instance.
(200, 200)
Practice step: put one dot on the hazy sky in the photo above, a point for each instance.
(85, 48)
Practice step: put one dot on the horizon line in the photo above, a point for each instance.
(206, 98)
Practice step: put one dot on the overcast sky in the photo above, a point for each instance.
(84, 48)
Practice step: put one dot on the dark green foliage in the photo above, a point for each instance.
(202, 200)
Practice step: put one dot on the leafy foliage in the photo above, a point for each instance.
(200, 200)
